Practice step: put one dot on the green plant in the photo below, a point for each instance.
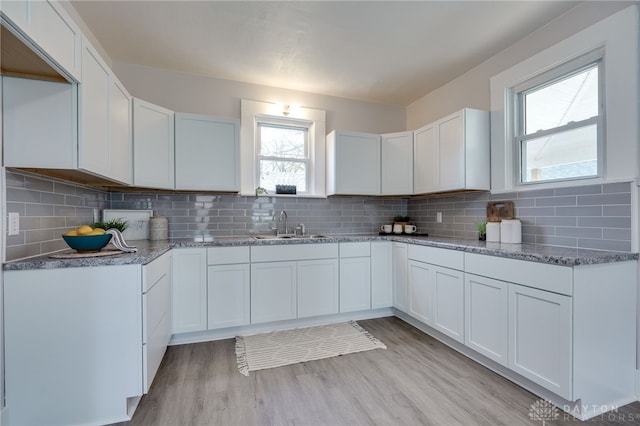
(481, 227)
(119, 224)
(401, 218)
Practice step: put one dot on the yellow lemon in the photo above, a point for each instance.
(71, 233)
(84, 230)
(97, 231)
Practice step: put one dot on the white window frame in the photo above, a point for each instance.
(288, 123)
(566, 70)
(617, 36)
(254, 112)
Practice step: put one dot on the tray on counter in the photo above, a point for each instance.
(406, 234)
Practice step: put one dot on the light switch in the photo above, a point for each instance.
(14, 223)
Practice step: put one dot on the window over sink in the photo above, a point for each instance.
(282, 145)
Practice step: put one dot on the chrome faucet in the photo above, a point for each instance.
(282, 217)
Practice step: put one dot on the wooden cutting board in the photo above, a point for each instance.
(499, 210)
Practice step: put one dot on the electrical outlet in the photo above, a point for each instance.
(439, 217)
(14, 223)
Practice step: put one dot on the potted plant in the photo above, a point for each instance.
(482, 230)
(119, 224)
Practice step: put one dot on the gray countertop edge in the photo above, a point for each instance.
(149, 250)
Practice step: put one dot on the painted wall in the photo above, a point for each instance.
(196, 94)
(472, 88)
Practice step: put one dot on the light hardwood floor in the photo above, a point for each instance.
(415, 381)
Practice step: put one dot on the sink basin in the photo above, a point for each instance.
(288, 237)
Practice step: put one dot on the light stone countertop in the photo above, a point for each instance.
(149, 250)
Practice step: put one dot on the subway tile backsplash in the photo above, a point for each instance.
(594, 216)
(590, 217)
(48, 208)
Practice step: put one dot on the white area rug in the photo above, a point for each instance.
(286, 347)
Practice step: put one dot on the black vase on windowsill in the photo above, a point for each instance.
(482, 237)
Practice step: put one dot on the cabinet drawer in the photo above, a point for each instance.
(558, 279)
(355, 250)
(155, 271)
(155, 306)
(436, 256)
(228, 255)
(294, 252)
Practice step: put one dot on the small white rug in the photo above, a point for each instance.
(286, 347)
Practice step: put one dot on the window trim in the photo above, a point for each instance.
(547, 78)
(252, 112)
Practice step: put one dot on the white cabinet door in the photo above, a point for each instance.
(425, 159)
(121, 153)
(381, 274)
(420, 294)
(448, 302)
(273, 291)
(355, 284)
(56, 34)
(189, 293)
(486, 317)
(94, 151)
(400, 270)
(207, 153)
(353, 163)
(451, 153)
(54, 106)
(229, 291)
(153, 146)
(540, 331)
(397, 164)
(317, 287)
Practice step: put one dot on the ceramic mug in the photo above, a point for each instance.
(386, 228)
(397, 228)
(410, 229)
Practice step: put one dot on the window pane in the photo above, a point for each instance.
(572, 99)
(283, 142)
(563, 155)
(274, 173)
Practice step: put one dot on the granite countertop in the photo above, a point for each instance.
(149, 250)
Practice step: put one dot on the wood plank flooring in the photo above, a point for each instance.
(415, 381)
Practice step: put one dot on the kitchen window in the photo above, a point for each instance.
(559, 116)
(283, 155)
(282, 145)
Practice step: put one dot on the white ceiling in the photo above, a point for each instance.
(392, 52)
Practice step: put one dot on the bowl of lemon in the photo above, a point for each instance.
(86, 239)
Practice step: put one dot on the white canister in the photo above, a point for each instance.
(158, 228)
(511, 231)
(493, 232)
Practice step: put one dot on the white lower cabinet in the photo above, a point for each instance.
(228, 287)
(381, 274)
(486, 317)
(273, 291)
(448, 302)
(317, 287)
(189, 290)
(420, 294)
(540, 337)
(355, 276)
(400, 271)
(156, 315)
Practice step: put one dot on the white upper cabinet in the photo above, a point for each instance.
(105, 120)
(397, 164)
(54, 106)
(207, 153)
(153, 146)
(45, 26)
(353, 163)
(453, 153)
